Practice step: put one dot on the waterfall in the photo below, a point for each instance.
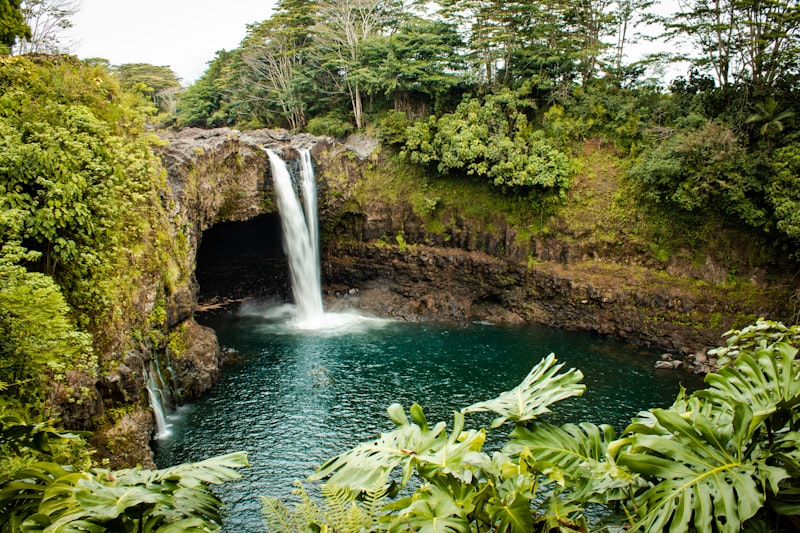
(309, 188)
(156, 403)
(300, 239)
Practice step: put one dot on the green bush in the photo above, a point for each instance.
(393, 128)
(702, 167)
(783, 192)
(330, 125)
(493, 139)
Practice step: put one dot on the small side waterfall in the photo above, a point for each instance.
(154, 392)
(300, 235)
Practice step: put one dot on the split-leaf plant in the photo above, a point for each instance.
(45, 496)
(725, 458)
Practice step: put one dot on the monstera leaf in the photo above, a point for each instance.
(512, 513)
(531, 398)
(21, 495)
(51, 498)
(576, 457)
(759, 335)
(362, 467)
(432, 510)
(703, 479)
(768, 380)
(458, 456)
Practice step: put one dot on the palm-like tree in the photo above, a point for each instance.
(769, 114)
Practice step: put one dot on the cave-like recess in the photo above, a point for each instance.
(243, 260)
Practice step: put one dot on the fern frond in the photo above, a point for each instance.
(308, 511)
(339, 503)
(278, 517)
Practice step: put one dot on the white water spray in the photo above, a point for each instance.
(300, 239)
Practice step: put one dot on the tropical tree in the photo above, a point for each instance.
(626, 15)
(750, 41)
(342, 29)
(416, 66)
(591, 22)
(545, 43)
(275, 52)
(208, 102)
(12, 24)
(158, 83)
(48, 20)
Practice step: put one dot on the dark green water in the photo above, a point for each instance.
(297, 398)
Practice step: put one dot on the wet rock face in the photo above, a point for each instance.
(429, 283)
(198, 366)
(127, 442)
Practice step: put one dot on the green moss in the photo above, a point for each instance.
(435, 227)
(158, 316)
(176, 342)
(401, 241)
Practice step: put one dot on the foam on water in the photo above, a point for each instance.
(277, 319)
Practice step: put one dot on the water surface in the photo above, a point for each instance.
(297, 396)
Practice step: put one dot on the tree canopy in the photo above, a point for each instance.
(12, 24)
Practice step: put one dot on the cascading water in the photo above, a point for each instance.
(156, 403)
(300, 239)
(309, 188)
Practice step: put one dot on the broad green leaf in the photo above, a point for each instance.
(106, 502)
(698, 473)
(432, 511)
(768, 380)
(368, 463)
(530, 399)
(574, 456)
(511, 514)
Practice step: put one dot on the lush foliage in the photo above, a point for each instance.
(77, 176)
(40, 343)
(79, 187)
(78, 190)
(698, 167)
(506, 92)
(491, 139)
(157, 83)
(726, 458)
(12, 24)
(46, 496)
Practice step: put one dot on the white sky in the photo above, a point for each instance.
(182, 34)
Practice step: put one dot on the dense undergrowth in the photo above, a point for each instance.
(82, 229)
